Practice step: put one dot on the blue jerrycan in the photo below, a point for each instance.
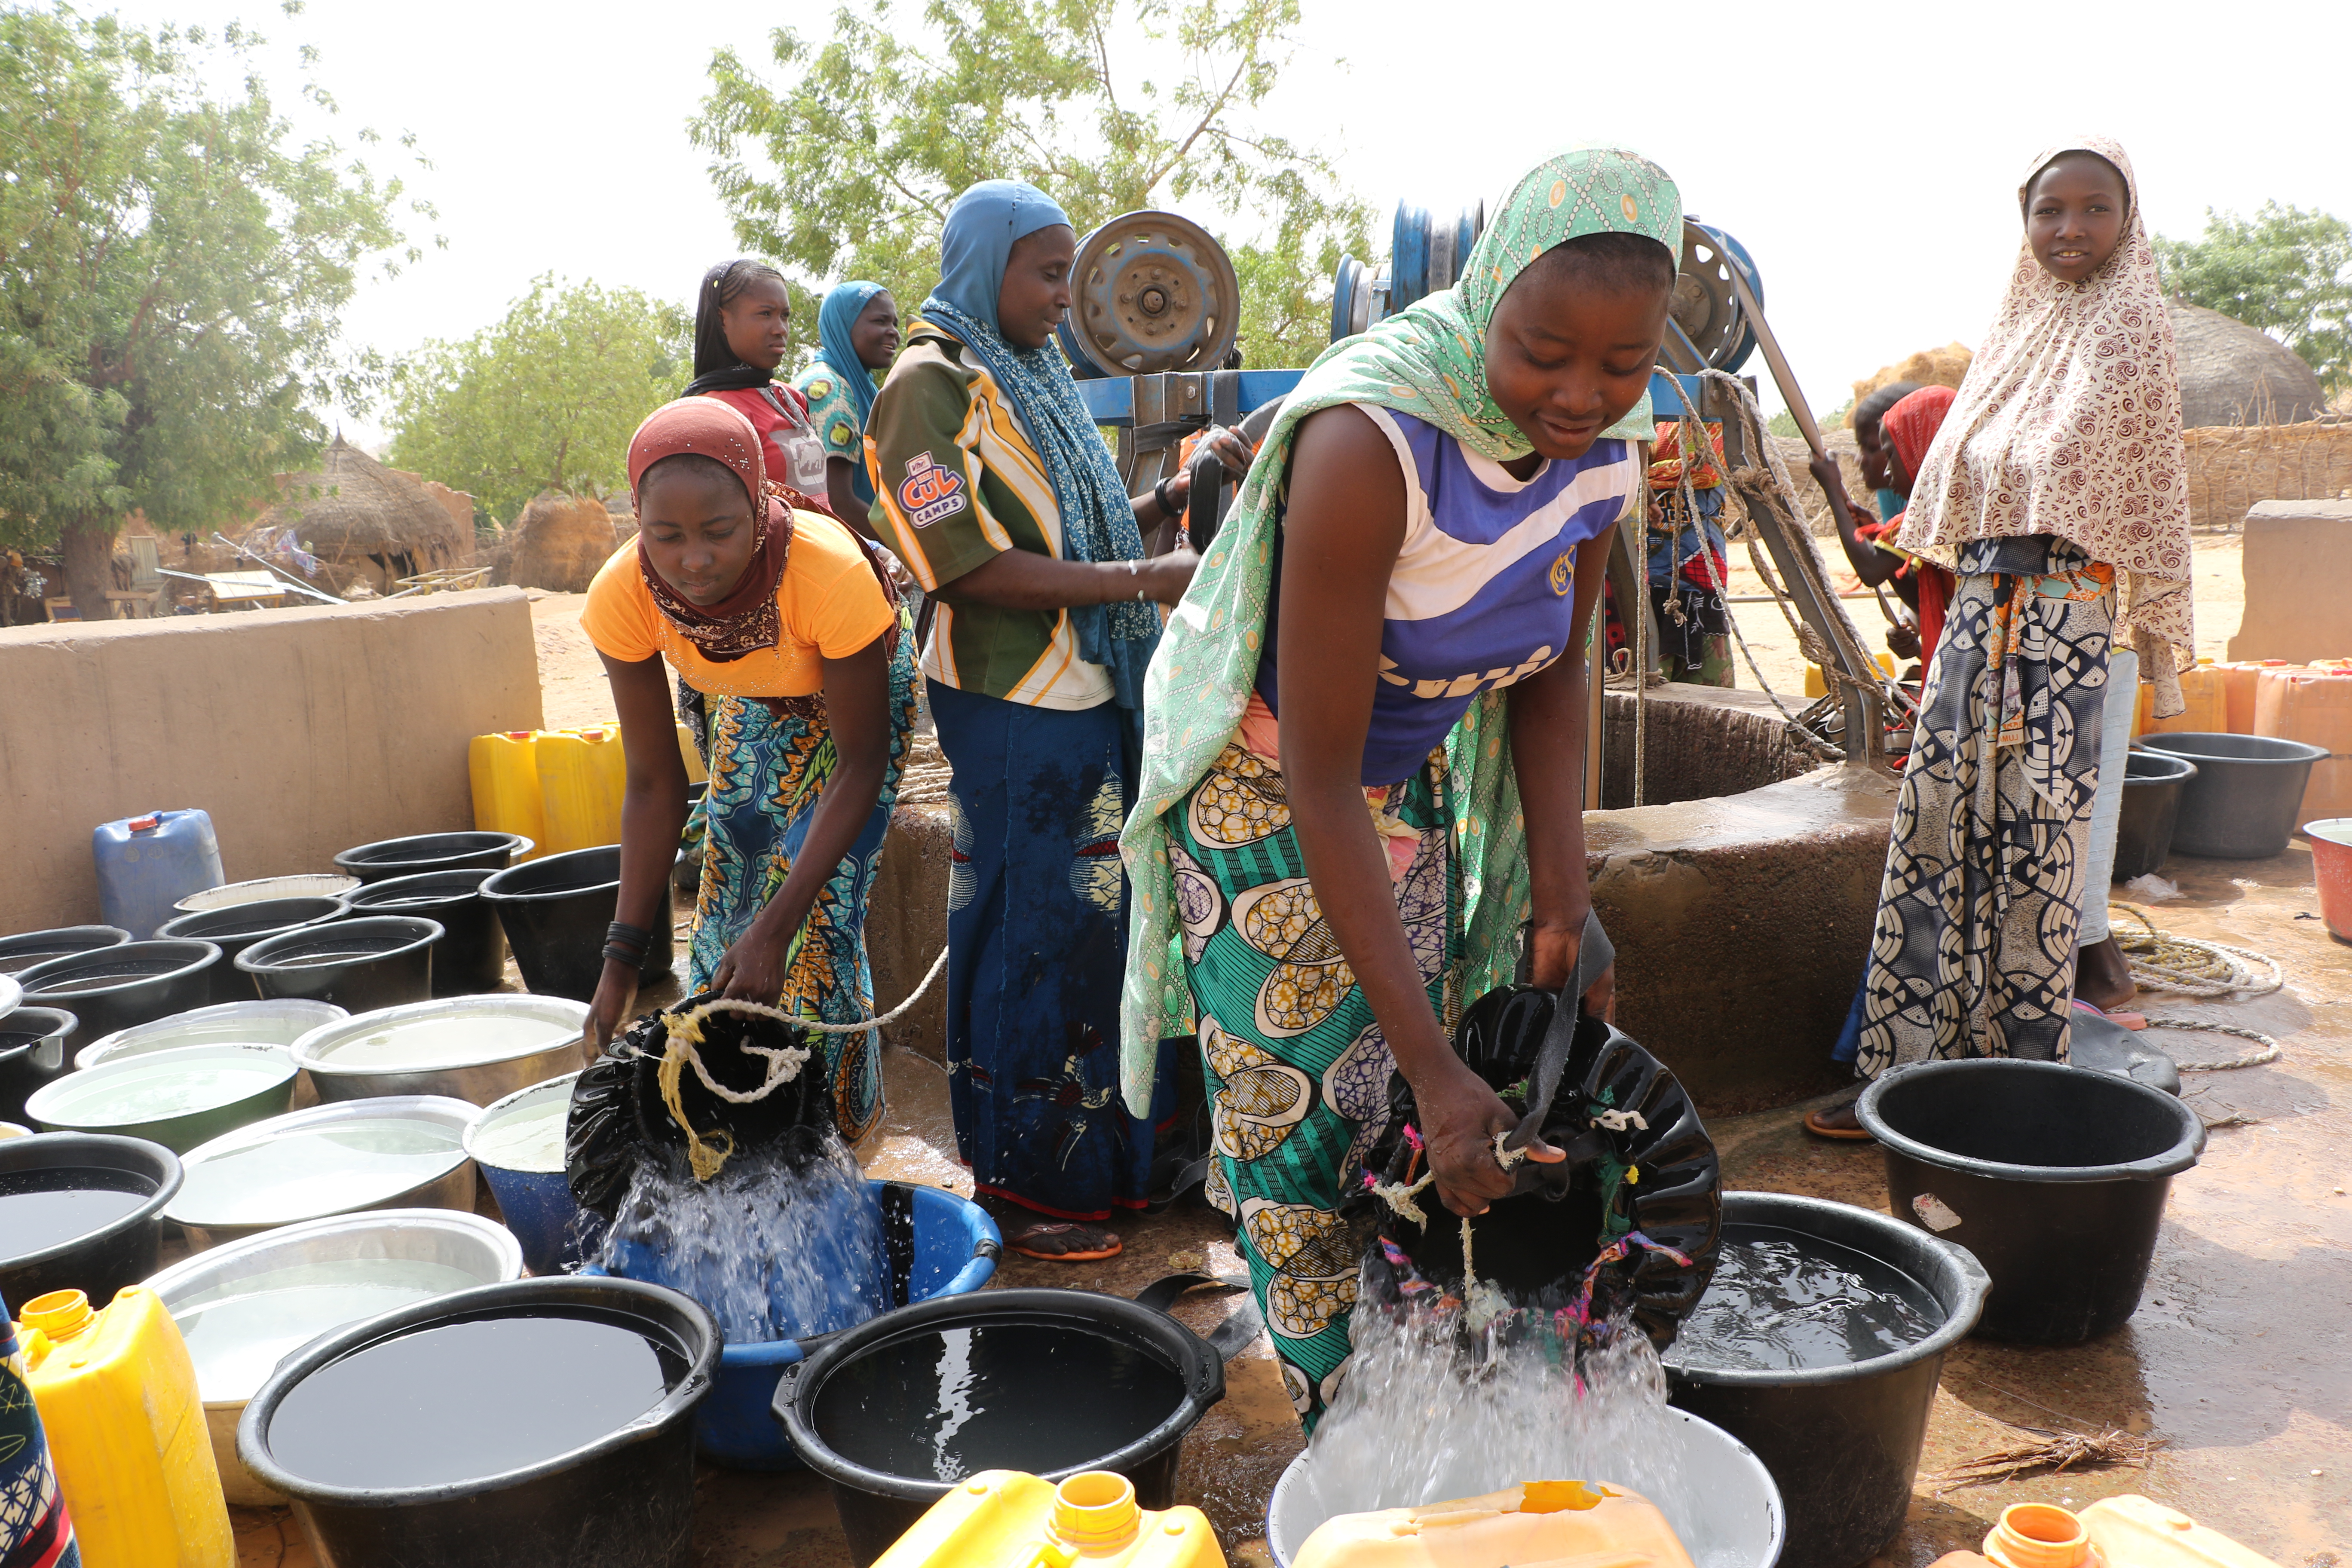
(35, 1530)
(147, 864)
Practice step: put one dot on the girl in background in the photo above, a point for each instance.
(742, 328)
(858, 337)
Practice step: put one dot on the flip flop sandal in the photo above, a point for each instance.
(1112, 1251)
(1814, 1125)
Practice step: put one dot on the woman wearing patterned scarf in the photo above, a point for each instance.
(788, 623)
(1381, 657)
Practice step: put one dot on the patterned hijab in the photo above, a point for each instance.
(844, 303)
(747, 620)
(1428, 361)
(2068, 423)
(1098, 519)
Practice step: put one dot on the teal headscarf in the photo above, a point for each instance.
(844, 303)
(1428, 361)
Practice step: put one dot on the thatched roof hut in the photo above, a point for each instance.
(355, 513)
(2232, 374)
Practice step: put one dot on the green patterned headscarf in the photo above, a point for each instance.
(1428, 361)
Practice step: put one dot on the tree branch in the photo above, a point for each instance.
(1216, 107)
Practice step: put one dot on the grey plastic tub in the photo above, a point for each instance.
(2242, 803)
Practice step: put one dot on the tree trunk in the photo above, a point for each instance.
(87, 548)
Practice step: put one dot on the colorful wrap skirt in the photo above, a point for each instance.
(768, 771)
(1295, 1067)
(1973, 951)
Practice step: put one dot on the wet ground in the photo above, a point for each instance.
(2239, 1359)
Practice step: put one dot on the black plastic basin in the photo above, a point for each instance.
(622, 1500)
(2054, 1177)
(423, 852)
(1843, 1442)
(22, 952)
(32, 1052)
(240, 926)
(2242, 802)
(104, 1259)
(112, 988)
(473, 952)
(876, 1507)
(357, 964)
(2153, 782)
(556, 910)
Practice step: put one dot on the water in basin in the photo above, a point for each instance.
(448, 1040)
(141, 1090)
(528, 1138)
(238, 1333)
(323, 1169)
(1780, 1301)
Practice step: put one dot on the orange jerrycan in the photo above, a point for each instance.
(2314, 706)
(1534, 1522)
(2205, 689)
(2239, 681)
(1006, 1519)
(2131, 1532)
(118, 1399)
(504, 769)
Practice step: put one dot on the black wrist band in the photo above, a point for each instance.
(1160, 499)
(626, 957)
(621, 931)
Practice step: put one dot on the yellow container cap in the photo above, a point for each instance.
(60, 1314)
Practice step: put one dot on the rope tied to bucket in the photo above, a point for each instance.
(682, 1035)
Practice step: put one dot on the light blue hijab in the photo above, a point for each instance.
(844, 303)
(1097, 519)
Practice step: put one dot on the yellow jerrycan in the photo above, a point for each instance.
(582, 774)
(2206, 691)
(1006, 1519)
(1533, 1523)
(118, 1398)
(2314, 706)
(504, 769)
(2127, 1531)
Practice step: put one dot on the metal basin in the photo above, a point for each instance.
(240, 926)
(475, 1048)
(433, 852)
(313, 885)
(401, 1152)
(116, 987)
(32, 1052)
(178, 1099)
(377, 1260)
(32, 947)
(234, 1024)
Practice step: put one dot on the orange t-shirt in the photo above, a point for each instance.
(829, 601)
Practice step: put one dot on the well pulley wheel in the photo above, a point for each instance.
(1151, 292)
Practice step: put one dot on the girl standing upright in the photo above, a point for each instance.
(858, 335)
(742, 328)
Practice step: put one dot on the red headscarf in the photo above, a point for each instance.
(1911, 425)
(747, 619)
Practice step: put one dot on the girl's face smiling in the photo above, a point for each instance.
(874, 334)
(1035, 294)
(695, 517)
(2074, 213)
(758, 323)
(1567, 358)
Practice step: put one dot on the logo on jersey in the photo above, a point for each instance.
(929, 492)
(1563, 574)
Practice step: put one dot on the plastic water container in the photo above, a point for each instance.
(504, 769)
(1535, 1521)
(2206, 691)
(2314, 706)
(1818, 685)
(559, 788)
(2127, 1531)
(1007, 1519)
(2238, 679)
(147, 864)
(38, 1526)
(118, 1397)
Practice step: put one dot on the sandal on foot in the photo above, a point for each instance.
(1816, 1124)
(1096, 1255)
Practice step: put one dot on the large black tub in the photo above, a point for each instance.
(32, 1053)
(127, 1183)
(2243, 801)
(2054, 1177)
(240, 926)
(1051, 1382)
(556, 910)
(357, 964)
(435, 1402)
(27, 949)
(472, 956)
(112, 988)
(2153, 783)
(423, 852)
(1843, 1441)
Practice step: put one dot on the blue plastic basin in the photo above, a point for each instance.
(936, 1243)
(537, 1206)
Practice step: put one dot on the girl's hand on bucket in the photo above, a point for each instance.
(616, 993)
(1552, 949)
(1461, 1118)
(753, 970)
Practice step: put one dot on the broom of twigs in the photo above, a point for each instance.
(2047, 1451)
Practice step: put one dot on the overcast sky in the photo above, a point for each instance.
(1867, 156)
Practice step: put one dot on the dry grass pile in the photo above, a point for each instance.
(1945, 366)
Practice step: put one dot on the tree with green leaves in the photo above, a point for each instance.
(544, 399)
(845, 167)
(2284, 270)
(173, 266)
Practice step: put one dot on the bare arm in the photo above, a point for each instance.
(1025, 580)
(841, 492)
(1869, 563)
(653, 810)
(1341, 535)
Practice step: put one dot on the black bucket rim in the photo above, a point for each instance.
(2184, 770)
(1973, 1283)
(167, 1184)
(358, 855)
(497, 895)
(9, 1020)
(255, 959)
(607, 1298)
(336, 907)
(29, 978)
(1196, 1365)
(370, 895)
(9, 948)
(2304, 751)
(2183, 1153)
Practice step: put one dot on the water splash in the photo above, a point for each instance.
(776, 1250)
(1776, 1305)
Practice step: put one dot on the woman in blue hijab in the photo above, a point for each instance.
(858, 335)
(995, 488)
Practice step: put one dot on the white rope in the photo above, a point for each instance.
(1618, 1121)
(1400, 1197)
(892, 1017)
(784, 1063)
(2269, 1053)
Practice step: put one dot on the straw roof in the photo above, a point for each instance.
(2232, 374)
(353, 507)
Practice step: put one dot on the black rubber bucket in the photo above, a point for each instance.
(112, 988)
(556, 910)
(32, 1053)
(2153, 783)
(240, 926)
(2054, 1177)
(357, 964)
(28, 948)
(1843, 1442)
(847, 1400)
(423, 852)
(622, 1500)
(472, 956)
(2243, 801)
(104, 1258)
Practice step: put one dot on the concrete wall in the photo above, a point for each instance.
(303, 733)
(907, 925)
(2298, 574)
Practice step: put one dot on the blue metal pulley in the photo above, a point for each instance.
(1151, 292)
(1706, 306)
(1408, 255)
(1351, 299)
